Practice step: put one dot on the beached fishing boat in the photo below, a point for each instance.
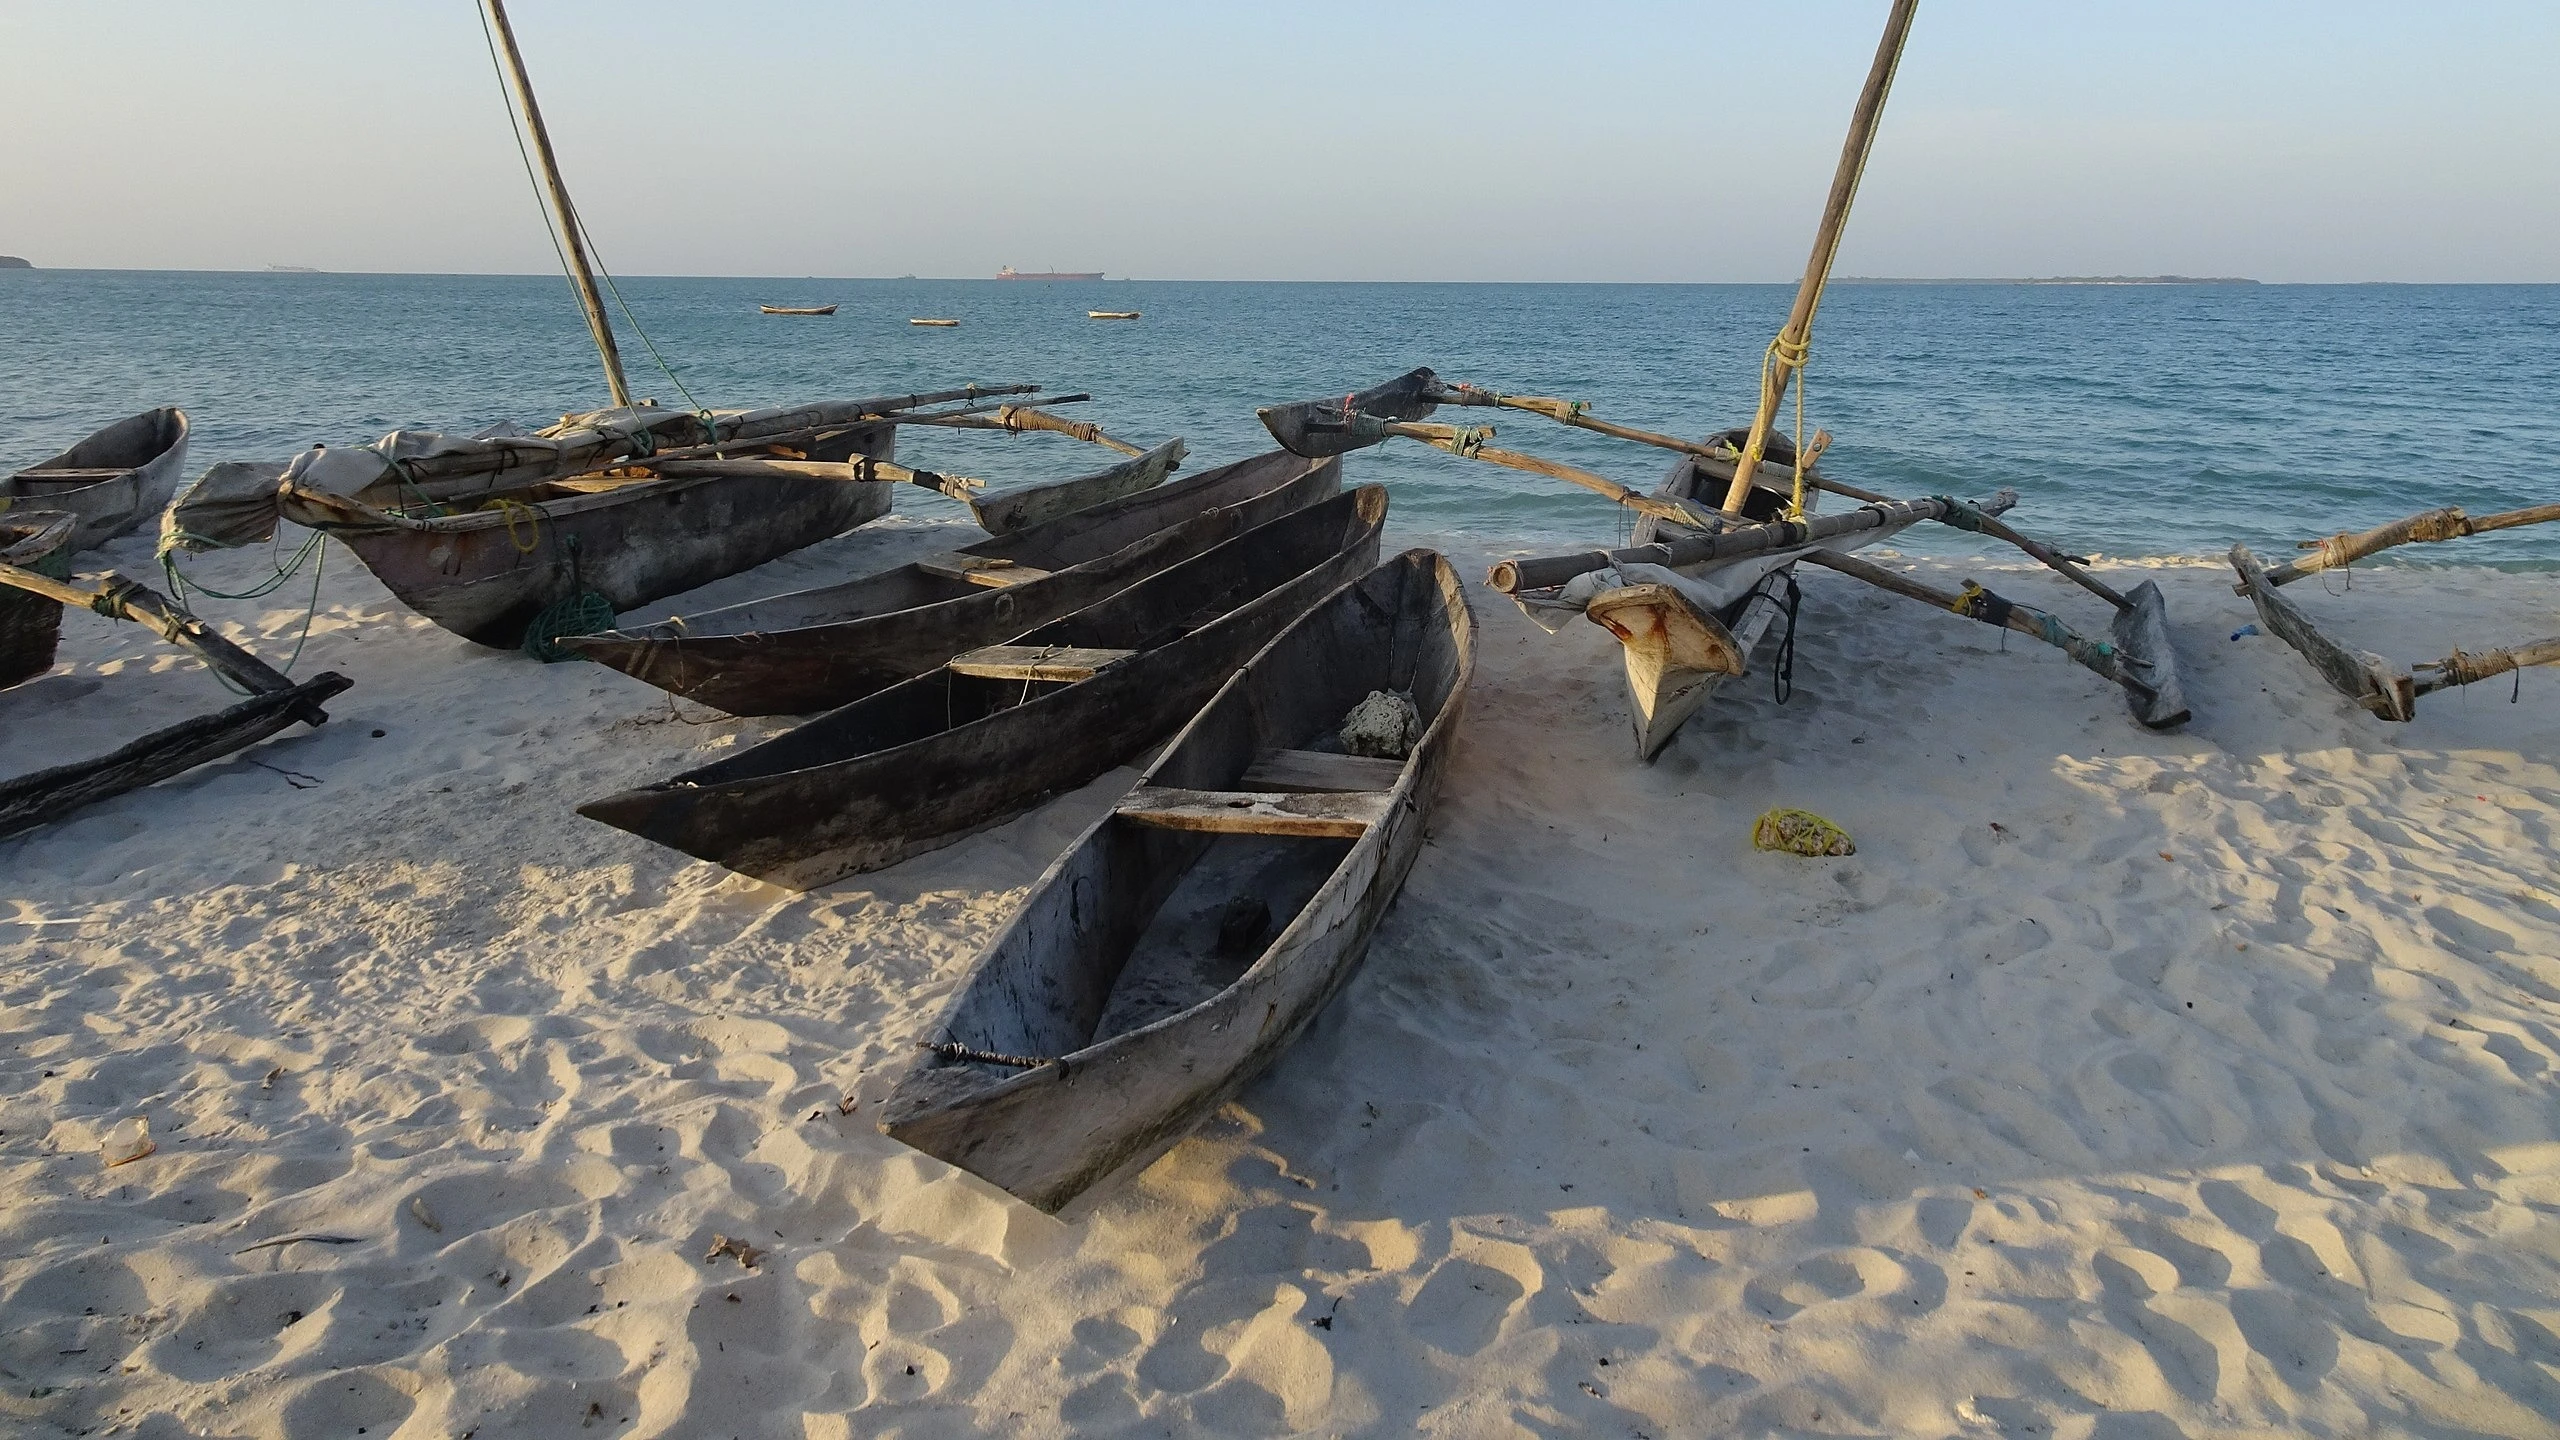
(813, 650)
(1112, 314)
(1718, 542)
(275, 700)
(38, 541)
(113, 481)
(797, 309)
(1190, 936)
(935, 324)
(930, 760)
(506, 538)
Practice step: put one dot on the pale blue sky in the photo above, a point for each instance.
(1480, 141)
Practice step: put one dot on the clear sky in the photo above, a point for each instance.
(1488, 140)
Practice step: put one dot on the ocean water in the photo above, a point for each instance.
(2133, 420)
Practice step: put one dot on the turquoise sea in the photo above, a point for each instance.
(2134, 420)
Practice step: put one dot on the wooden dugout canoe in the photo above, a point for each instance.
(976, 742)
(797, 309)
(814, 650)
(114, 480)
(1140, 970)
(1015, 510)
(484, 574)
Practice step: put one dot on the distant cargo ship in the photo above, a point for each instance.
(1009, 273)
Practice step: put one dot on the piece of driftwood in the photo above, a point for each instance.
(113, 481)
(930, 760)
(2366, 678)
(2448, 523)
(1158, 967)
(1038, 504)
(814, 650)
(2097, 656)
(42, 796)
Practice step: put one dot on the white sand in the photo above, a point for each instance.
(2210, 1093)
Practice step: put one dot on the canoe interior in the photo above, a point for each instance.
(114, 480)
(1151, 614)
(1155, 949)
(1165, 967)
(1035, 505)
(1060, 544)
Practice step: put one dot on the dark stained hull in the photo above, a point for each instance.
(817, 649)
(1110, 973)
(114, 480)
(1018, 510)
(1299, 430)
(931, 760)
(485, 574)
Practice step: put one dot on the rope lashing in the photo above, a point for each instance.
(1977, 603)
(1468, 440)
(529, 538)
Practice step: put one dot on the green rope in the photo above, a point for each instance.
(581, 612)
(601, 269)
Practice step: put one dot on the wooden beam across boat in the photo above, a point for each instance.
(2447, 523)
(1511, 577)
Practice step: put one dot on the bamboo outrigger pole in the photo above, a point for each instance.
(581, 275)
(1787, 355)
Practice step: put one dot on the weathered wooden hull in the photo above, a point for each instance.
(1678, 654)
(1295, 426)
(30, 624)
(146, 453)
(931, 760)
(1137, 1053)
(484, 574)
(1017, 510)
(33, 799)
(814, 650)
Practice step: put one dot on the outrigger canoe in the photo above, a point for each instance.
(113, 481)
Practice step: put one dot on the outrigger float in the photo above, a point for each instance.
(1719, 540)
(2389, 691)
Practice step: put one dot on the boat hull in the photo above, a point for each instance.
(1111, 1101)
(896, 774)
(1037, 504)
(150, 451)
(815, 650)
(485, 574)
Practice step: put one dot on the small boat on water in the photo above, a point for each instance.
(999, 729)
(113, 481)
(814, 650)
(797, 309)
(935, 324)
(1190, 936)
(1112, 314)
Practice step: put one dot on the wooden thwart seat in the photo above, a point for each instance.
(980, 570)
(1327, 815)
(1036, 662)
(1317, 771)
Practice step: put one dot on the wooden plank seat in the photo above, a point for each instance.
(1327, 815)
(993, 572)
(1316, 771)
(1036, 662)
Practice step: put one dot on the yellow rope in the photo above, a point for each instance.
(531, 537)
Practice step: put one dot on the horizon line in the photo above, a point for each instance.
(2128, 281)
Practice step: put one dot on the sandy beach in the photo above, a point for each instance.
(2122, 1084)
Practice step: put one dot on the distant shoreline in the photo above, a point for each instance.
(2048, 280)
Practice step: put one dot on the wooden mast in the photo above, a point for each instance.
(1787, 356)
(581, 274)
